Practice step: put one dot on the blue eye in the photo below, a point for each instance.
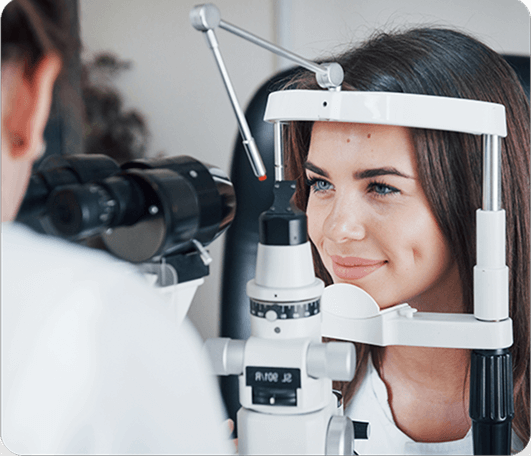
(382, 189)
(318, 185)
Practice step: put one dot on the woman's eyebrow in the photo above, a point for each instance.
(364, 174)
(315, 169)
(375, 172)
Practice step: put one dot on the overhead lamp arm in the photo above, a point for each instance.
(206, 18)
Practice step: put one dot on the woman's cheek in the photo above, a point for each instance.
(314, 227)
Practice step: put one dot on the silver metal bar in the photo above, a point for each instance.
(491, 173)
(329, 75)
(248, 141)
(308, 64)
(279, 153)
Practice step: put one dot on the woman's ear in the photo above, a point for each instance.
(30, 102)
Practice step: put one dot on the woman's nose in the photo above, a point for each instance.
(345, 222)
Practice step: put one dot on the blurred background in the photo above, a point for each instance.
(171, 82)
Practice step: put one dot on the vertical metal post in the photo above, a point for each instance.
(279, 152)
(491, 371)
(491, 173)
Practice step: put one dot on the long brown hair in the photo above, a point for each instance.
(447, 63)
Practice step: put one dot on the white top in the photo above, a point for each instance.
(91, 362)
(370, 403)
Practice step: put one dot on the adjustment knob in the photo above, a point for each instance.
(339, 436)
(361, 430)
(333, 360)
(226, 355)
(205, 17)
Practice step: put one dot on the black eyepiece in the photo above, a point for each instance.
(145, 209)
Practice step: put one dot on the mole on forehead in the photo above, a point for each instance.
(368, 137)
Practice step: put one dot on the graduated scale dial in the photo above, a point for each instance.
(286, 311)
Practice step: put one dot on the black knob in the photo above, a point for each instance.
(361, 430)
(491, 401)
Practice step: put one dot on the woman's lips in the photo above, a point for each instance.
(352, 268)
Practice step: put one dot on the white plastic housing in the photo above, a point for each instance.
(387, 108)
(284, 274)
(313, 395)
(491, 275)
(178, 297)
(261, 433)
(309, 327)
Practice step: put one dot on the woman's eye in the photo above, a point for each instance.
(319, 185)
(382, 189)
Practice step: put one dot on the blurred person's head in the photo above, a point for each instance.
(36, 41)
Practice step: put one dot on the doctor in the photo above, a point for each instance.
(90, 362)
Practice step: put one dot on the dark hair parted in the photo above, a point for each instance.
(448, 63)
(33, 28)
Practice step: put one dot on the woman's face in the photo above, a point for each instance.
(370, 220)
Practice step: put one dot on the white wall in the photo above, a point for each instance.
(175, 84)
(501, 24)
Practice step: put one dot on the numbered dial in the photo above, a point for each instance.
(285, 311)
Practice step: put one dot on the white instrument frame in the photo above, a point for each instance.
(346, 313)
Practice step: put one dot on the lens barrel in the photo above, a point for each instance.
(151, 208)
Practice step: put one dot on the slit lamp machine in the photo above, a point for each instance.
(285, 371)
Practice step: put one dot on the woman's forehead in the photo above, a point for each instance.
(341, 129)
(351, 143)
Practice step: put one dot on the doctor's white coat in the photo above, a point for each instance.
(91, 362)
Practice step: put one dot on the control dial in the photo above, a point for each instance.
(287, 311)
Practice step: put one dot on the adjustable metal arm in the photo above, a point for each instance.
(329, 75)
(206, 18)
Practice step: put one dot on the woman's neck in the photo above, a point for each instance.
(428, 391)
(428, 387)
(443, 369)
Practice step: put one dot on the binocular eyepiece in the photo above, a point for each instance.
(143, 209)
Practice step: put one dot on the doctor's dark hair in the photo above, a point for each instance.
(448, 63)
(33, 28)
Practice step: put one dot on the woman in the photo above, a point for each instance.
(392, 210)
(91, 361)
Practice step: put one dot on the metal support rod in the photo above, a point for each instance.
(491, 381)
(248, 140)
(329, 76)
(308, 64)
(491, 173)
(279, 153)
